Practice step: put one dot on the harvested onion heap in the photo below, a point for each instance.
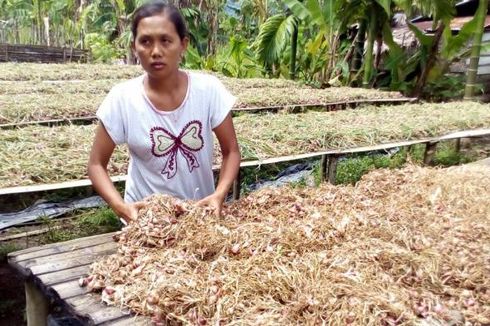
(400, 247)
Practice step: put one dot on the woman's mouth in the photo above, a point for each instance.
(158, 65)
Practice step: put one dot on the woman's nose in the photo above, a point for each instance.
(156, 51)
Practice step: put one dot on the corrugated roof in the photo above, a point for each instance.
(456, 24)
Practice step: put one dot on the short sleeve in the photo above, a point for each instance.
(221, 102)
(111, 114)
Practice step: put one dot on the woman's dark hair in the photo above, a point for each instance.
(154, 8)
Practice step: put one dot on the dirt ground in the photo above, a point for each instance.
(12, 297)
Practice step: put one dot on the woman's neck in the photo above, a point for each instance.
(169, 84)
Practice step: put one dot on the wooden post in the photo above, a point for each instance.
(323, 168)
(408, 153)
(430, 150)
(457, 145)
(332, 168)
(36, 305)
(237, 187)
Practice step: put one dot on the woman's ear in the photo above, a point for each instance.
(133, 46)
(185, 44)
(133, 50)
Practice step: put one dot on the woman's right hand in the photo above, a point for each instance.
(129, 211)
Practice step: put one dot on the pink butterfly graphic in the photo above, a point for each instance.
(189, 140)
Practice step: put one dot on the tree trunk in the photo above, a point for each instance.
(39, 23)
(356, 63)
(368, 62)
(46, 31)
(469, 92)
(331, 61)
(212, 37)
(417, 92)
(294, 46)
(379, 48)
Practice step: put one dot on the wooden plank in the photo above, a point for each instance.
(59, 247)
(56, 257)
(28, 233)
(484, 162)
(104, 315)
(50, 122)
(256, 163)
(83, 304)
(91, 307)
(329, 105)
(483, 70)
(69, 274)
(129, 321)
(484, 60)
(68, 289)
(54, 186)
(68, 260)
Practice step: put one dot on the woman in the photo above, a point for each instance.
(166, 117)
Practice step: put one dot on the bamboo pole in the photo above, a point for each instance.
(469, 92)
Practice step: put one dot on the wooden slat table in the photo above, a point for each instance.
(52, 273)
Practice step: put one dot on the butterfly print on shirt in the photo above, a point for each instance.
(164, 143)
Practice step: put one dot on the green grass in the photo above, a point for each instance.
(352, 169)
(85, 223)
(7, 248)
(6, 307)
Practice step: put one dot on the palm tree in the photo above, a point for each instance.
(274, 35)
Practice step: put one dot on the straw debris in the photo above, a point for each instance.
(38, 154)
(36, 92)
(401, 247)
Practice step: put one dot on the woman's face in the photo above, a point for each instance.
(158, 46)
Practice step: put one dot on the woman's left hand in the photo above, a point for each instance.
(214, 201)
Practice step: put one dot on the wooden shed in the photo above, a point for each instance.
(465, 11)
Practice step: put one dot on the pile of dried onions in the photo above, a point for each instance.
(400, 247)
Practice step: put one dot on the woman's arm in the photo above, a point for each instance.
(230, 165)
(101, 152)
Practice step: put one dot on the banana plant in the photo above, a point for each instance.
(237, 59)
(407, 71)
(323, 19)
(274, 36)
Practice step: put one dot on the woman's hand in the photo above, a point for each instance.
(129, 211)
(214, 201)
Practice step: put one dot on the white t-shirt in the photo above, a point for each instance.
(170, 152)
